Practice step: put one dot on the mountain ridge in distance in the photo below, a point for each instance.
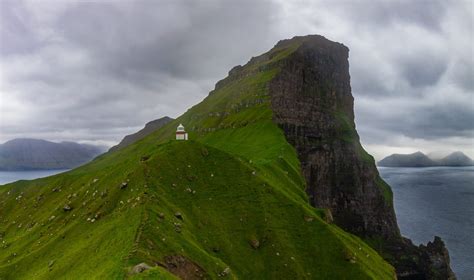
(37, 154)
(456, 159)
(148, 129)
(419, 159)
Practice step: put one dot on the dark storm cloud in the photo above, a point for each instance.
(90, 71)
(396, 46)
(441, 121)
(179, 39)
(429, 122)
(423, 69)
(119, 64)
(411, 70)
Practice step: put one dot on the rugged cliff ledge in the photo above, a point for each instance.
(312, 103)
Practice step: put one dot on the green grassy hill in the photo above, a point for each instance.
(229, 203)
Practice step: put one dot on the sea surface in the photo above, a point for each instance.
(12, 176)
(437, 201)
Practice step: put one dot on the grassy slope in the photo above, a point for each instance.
(236, 182)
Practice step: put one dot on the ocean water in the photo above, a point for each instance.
(437, 201)
(12, 176)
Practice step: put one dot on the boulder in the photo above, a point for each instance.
(308, 218)
(254, 243)
(139, 268)
(328, 216)
(178, 215)
(435, 260)
(225, 272)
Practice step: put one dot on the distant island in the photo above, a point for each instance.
(419, 159)
(36, 154)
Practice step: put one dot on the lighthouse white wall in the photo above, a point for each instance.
(181, 136)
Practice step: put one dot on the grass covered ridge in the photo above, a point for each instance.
(228, 203)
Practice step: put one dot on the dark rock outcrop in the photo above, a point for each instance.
(142, 133)
(139, 268)
(434, 259)
(184, 268)
(418, 262)
(312, 103)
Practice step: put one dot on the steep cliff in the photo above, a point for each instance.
(312, 103)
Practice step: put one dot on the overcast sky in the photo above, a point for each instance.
(94, 71)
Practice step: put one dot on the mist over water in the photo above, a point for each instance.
(437, 201)
(12, 176)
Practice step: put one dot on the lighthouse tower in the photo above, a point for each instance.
(181, 134)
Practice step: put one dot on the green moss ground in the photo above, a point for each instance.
(236, 182)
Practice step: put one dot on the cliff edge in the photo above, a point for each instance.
(312, 103)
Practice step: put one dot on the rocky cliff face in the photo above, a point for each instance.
(435, 260)
(312, 102)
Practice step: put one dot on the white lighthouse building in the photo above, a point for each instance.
(181, 134)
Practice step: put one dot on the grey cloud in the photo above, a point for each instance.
(429, 121)
(369, 80)
(441, 121)
(392, 67)
(463, 73)
(377, 14)
(103, 69)
(145, 59)
(16, 36)
(423, 69)
(144, 37)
